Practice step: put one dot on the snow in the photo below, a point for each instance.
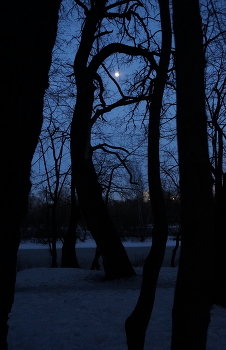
(62, 309)
(90, 243)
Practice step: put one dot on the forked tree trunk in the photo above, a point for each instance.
(136, 324)
(115, 260)
(27, 35)
(192, 301)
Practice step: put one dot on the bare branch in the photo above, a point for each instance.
(46, 168)
(80, 3)
(114, 80)
(125, 101)
(97, 77)
(122, 162)
(103, 33)
(110, 182)
(117, 3)
(107, 145)
(208, 41)
(112, 48)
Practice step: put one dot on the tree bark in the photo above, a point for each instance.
(27, 35)
(136, 324)
(115, 260)
(193, 293)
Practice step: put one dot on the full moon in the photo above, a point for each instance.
(117, 74)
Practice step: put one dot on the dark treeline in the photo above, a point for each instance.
(131, 217)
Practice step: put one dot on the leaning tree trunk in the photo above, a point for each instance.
(192, 302)
(115, 260)
(137, 323)
(27, 35)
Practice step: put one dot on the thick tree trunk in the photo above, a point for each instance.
(219, 294)
(115, 259)
(219, 285)
(136, 324)
(69, 257)
(192, 302)
(27, 35)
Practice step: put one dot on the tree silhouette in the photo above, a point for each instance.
(27, 35)
(86, 64)
(136, 324)
(214, 31)
(193, 293)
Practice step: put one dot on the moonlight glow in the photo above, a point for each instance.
(117, 74)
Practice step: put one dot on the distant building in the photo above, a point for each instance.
(146, 196)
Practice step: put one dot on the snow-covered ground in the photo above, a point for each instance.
(73, 309)
(62, 309)
(90, 243)
(33, 254)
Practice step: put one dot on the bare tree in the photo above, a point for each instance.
(89, 191)
(55, 177)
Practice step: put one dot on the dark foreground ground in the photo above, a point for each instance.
(29, 258)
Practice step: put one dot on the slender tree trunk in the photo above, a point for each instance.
(27, 35)
(53, 235)
(193, 294)
(69, 258)
(115, 260)
(175, 249)
(136, 324)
